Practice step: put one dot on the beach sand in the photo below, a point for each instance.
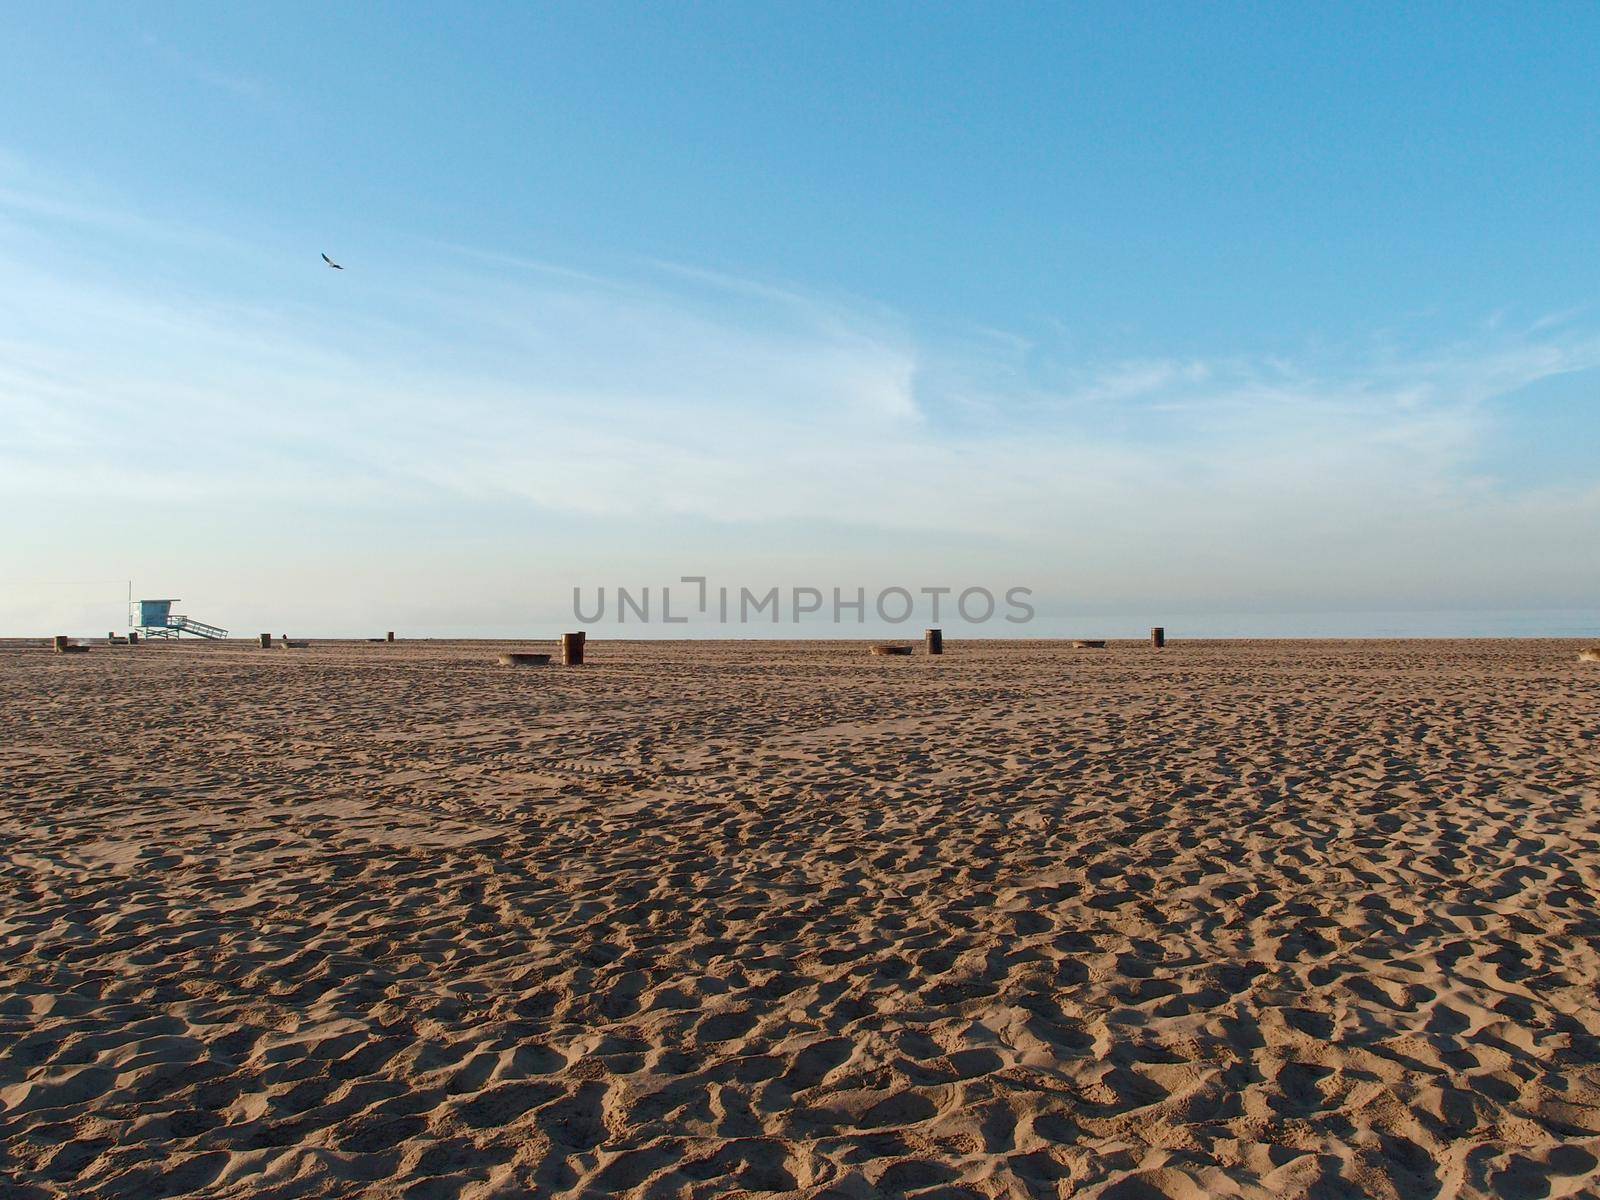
(745, 919)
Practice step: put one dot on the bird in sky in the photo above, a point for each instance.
(331, 263)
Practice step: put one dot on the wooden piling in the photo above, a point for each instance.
(933, 640)
(1158, 636)
(572, 649)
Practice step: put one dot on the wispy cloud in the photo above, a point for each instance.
(235, 83)
(677, 392)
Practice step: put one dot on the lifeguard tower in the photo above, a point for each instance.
(155, 619)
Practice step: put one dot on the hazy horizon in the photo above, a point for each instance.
(545, 625)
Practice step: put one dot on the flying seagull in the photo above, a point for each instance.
(331, 263)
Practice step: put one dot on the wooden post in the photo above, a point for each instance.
(266, 641)
(391, 635)
(933, 639)
(572, 649)
(60, 641)
(1158, 636)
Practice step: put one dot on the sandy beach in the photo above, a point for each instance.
(1300, 919)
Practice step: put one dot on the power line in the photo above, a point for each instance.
(61, 582)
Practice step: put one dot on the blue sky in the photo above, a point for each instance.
(1246, 318)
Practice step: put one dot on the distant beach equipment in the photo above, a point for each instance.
(286, 644)
(390, 636)
(1592, 654)
(933, 640)
(266, 641)
(64, 645)
(1158, 636)
(883, 648)
(572, 649)
(1088, 644)
(519, 658)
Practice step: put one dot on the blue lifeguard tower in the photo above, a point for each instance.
(155, 619)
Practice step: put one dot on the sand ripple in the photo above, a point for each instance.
(1270, 919)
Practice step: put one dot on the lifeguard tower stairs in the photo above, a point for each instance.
(155, 619)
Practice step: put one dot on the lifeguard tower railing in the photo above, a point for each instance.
(155, 619)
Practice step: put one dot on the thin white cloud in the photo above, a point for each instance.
(235, 83)
(678, 393)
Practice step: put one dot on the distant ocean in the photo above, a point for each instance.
(1498, 623)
